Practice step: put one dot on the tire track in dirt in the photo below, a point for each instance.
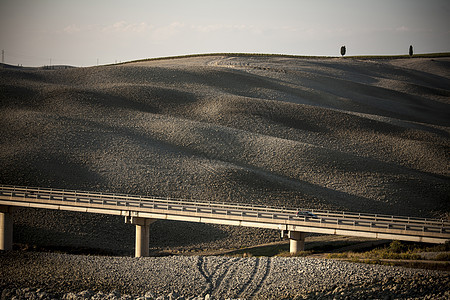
(201, 268)
(247, 284)
(216, 276)
(255, 283)
(224, 282)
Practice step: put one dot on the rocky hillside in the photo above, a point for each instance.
(352, 134)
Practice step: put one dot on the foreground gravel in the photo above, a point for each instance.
(36, 275)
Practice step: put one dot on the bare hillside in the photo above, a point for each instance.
(360, 135)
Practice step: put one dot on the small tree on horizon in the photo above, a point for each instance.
(411, 50)
(343, 50)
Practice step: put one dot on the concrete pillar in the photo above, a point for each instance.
(6, 228)
(296, 241)
(142, 234)
(142, 240)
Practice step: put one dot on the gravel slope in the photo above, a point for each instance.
(93, 277)
(360, 135)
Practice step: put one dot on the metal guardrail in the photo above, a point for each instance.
(217, 209)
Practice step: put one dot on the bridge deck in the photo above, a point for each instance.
(321, 221)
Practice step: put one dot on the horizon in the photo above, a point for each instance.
(399, 56)
(89, 33)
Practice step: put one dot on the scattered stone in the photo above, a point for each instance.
(183, 277)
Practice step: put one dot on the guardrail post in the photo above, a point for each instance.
(142, 234)
(6, 228)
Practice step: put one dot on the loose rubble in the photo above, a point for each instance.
(35, 275)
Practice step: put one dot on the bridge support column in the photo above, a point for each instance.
(296, 241)
(6, 228)
(142, 234)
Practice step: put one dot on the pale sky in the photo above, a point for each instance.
(80, 32)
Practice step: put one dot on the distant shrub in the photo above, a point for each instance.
(298, 254)
(396, 247)
(340, 255)
(443, 256)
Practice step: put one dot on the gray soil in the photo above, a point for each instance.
(185, 277)
(347, 134)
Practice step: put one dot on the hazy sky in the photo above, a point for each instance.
(80, 33)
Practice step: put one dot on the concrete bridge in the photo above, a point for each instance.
(141, 211)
